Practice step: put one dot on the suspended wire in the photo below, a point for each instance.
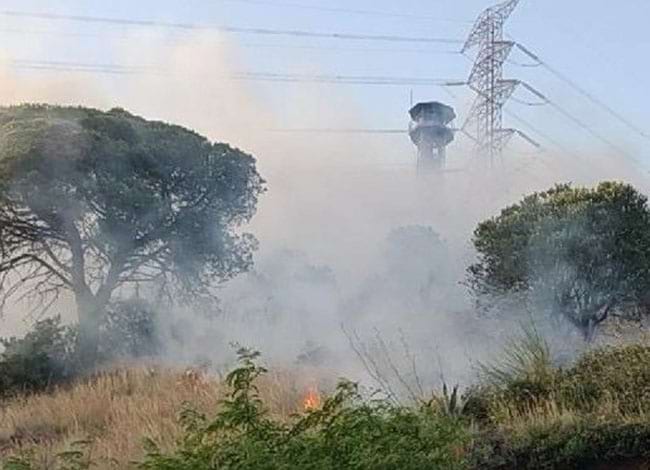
(527, 103)
(62, 66)
(91, 66)
(592, 132)
(252, 45)
(363, 79)
(271, 77)
(352, 11)
(531, 127)
(578, 122)
(590, 96)
(544, 135)
(546, 162)
(73, 68)
(573, 118)
(227, 29)
(523, 64)
(349, 49)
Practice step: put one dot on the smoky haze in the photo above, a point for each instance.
(351, 238)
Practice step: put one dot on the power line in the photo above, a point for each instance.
(73, 68)
(590, 96)
(363, 79)
(119, 69)
(349, 49)
(546, 136)
(227, 29)
(252, 45)
(353, 11)
(91, 66)
(581, 124)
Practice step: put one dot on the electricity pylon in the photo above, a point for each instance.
(485, 120)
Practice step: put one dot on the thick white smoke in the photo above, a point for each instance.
(331, 250)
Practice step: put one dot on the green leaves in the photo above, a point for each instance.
(574, 252)
(91, 201)
(44, 357)
(345, 432)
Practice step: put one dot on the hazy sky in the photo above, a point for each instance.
(601, 45)
(341, 215)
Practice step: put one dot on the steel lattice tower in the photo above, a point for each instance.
(485, 120)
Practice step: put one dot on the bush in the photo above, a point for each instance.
(48, 355)
(609, 379)
(522, 376)
(346, 432)
(45, 356)
(619, 375)
(535, 416)
(561, 446)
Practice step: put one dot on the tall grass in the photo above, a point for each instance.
(524, 414)
(527, 357)
(117, 409)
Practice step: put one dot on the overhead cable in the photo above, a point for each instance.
(226, 29)
(590, 96)
(64, 66)
(353, 11)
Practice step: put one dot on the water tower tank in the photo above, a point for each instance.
(430, 132)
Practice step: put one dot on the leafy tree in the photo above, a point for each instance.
(582, 252)
(93, 201)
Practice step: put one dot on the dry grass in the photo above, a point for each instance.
(116, 409)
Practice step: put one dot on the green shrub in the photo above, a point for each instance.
(48, 354)
(347, 432)
(45, 356)
(523, 375)
(563, 446)
(77, 457)
(526, 414)
(620, 375)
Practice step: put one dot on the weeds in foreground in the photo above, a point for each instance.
(346, 432)
(78, 457)
(530, 417)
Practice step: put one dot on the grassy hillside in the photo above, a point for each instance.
(523, 414)
(116, 410)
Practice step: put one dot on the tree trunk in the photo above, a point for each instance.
(90, 319)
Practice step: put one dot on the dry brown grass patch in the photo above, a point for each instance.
(116, 409)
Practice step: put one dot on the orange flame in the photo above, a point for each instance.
(312, 400)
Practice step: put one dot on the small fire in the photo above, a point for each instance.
(312, 400)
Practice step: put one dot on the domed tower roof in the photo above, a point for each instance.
(433, 110)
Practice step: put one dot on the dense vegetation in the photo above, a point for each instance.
(92, 202)
(122, 202)
(49, 354)
(43, 357)
(578, 254)
(525, 413)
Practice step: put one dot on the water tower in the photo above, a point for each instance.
(430, 132)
